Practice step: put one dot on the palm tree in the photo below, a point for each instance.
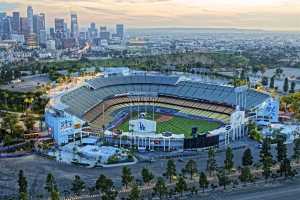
(5, 94)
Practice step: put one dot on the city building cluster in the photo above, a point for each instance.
(31, 32)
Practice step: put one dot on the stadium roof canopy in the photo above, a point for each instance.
(83, 99)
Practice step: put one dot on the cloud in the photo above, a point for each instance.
(271, 14)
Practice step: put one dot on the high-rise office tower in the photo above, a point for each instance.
(43, 38)
(59, 28)
(93, 31)
(15, 23)
(42, 21)
(36, 24)
(104, 34)
(30, 19)
(52, 33)
(74, 25)
(2, 17)
(6, 28)
(120, 30)
(103, 29)
(24, 26)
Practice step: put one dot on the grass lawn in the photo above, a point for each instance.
(178, 125)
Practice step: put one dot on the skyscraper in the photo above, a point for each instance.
(43, 21)
(60, 33)
(74, 25)
(6, 28)
(24, 26)
(93, 31)
(15, 23)
(36, 24)
(104, 34)
(2, 18)
(120, 30)
(30, 19)
(59, 28)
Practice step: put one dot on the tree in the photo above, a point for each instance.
(29, 121)
(266, 158)
(286, 169)
(106, 187)
(9, 122)
(247, 159)
(272, 81)
(265, 81)
(286, 85)
(147, 175)
(281, 150)
(101, 183)
(134, 193)
(127, 178)
(293, 85)
(255, 134)
(170, 170)
(246, 175)
(267, 164)
(265, 150)
(77, 185)
(160, 187)
(191, 168)
(211, 161)
(223, 179)
(181, 185)
(55, 195)
(50, 183)
(23, 196)
(22, 182)
(296, 155)
(203, 182)
(228, 162)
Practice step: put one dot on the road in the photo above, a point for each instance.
(288, 190)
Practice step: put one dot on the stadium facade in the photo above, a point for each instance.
(104, 102)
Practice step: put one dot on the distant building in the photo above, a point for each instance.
(74, 26)
(93, 31)
(43, 21)
(30, 19)
(24, 25)
(52, 33)
(39, 26)
(6, 28)
(104, 34)
(18, 38)
(59, 32)
(120, 30)
(50, 45)
(103, 29)
(31, 40)
(15, 23)
(69, 43)
(43, 37)
(59, 28)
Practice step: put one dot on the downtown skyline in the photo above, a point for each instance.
(263, 14)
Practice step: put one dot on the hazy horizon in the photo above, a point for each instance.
(275, 15)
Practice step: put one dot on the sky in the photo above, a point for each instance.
(281, 15)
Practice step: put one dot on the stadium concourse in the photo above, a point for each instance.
(105, 104)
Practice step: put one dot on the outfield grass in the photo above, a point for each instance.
(178, 125)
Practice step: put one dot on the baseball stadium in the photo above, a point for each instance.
(163, 109)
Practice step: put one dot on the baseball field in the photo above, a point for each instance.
(176, 125)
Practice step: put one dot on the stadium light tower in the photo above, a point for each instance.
(238, 117)
(241, 97)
